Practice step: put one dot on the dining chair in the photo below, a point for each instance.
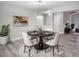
(27, 42)
(54, 42)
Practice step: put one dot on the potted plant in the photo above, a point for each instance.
(67, 28)
(4, 34)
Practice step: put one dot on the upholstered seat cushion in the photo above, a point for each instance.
(51, 43)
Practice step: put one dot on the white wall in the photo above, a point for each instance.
(7, 13)
(40, 18)
(0, 14)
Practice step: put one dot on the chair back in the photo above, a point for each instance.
(26, 39)
(56, 39)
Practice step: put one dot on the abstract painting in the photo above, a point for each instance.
(20, 21)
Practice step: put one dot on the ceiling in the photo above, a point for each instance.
(35, 5)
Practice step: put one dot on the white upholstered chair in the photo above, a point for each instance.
(54, 42)
(27, 42)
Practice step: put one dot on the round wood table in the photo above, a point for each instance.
(40, 34)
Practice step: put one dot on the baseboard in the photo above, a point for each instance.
(18, 38)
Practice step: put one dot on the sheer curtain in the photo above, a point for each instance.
(48, 20)
(55, 21)
(58, 22)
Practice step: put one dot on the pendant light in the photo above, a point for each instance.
(39, 16)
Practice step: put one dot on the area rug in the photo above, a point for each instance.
(41, 53)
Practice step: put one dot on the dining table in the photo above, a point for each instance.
(40, 34)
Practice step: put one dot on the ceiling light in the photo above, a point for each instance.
(39, 1)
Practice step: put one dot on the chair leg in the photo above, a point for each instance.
(29, 51)
(37, 51)
(53, 50)
(45, 50)
(58, 48)
(37, 40)
(24, 48)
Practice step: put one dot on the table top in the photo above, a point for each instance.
(40, 33)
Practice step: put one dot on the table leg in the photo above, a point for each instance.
(40, 42)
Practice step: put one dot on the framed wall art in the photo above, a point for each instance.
(20, 21)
